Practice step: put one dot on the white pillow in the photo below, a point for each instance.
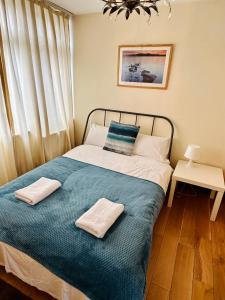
(97, 135)
(153, 147)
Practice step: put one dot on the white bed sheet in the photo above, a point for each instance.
(33, 273)
(134, 165)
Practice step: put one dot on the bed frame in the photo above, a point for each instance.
(121, 113)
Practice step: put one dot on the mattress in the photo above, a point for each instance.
(34, 273)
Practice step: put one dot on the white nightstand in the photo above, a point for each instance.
(200, 175)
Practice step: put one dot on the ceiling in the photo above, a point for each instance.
(80, 7)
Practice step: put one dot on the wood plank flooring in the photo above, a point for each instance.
(188, 254)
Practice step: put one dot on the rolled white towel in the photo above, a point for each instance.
(100, 217)
(38, 190)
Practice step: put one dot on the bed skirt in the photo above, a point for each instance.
(34, 274)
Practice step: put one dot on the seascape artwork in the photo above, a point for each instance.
(144, 67)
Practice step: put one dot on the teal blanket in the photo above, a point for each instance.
(112, 268)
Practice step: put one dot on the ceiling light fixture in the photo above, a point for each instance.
(129, 6)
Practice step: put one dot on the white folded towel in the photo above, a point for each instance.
(38, 190)
(100, 217)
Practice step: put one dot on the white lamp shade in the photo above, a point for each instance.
(192, 152)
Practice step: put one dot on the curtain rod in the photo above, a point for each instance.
(55, 6)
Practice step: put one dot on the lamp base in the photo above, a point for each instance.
(189, 164)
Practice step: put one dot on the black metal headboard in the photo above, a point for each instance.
(120, 112)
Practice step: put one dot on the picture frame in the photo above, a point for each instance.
(144, 66)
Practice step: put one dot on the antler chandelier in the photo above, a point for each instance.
(113, 6)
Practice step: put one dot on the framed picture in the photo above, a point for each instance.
(145, 66)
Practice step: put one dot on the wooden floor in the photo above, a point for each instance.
(188, 253)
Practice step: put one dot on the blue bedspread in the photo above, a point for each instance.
(112, 268)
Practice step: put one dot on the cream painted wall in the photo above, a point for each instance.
(195, 99)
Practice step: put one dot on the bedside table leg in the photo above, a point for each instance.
(172, 190)
(212, 194)
(216, 206)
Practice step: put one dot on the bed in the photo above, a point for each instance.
(41, 244)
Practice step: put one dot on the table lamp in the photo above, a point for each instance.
(192, 153)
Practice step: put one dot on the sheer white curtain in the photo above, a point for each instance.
(7, 161)
(38, 57)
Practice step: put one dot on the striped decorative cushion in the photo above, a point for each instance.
(121, 138)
